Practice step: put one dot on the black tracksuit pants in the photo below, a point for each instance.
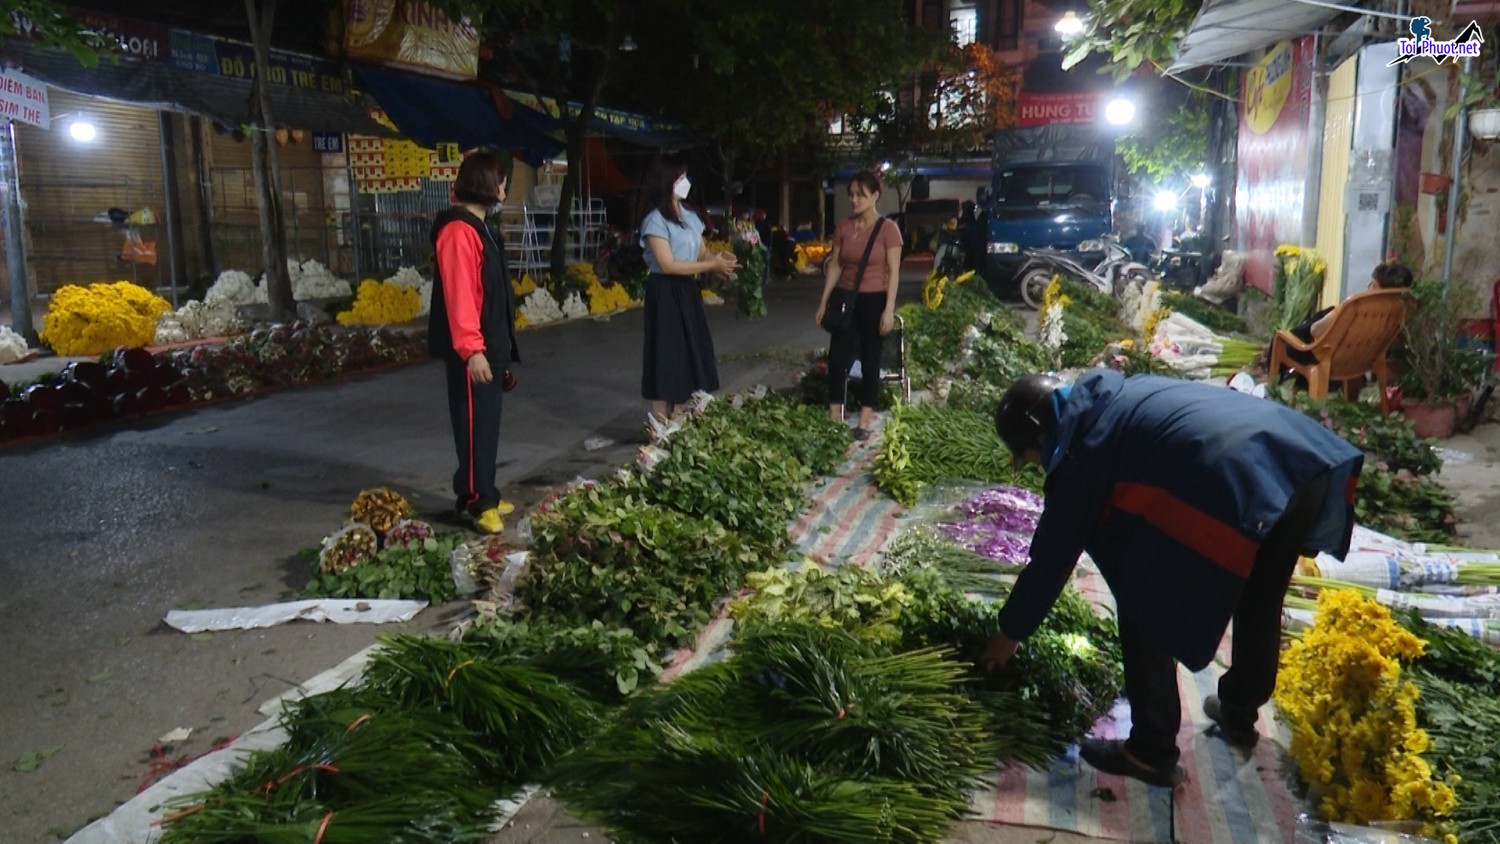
(865, 340)
(475, 412)
(1151, 674)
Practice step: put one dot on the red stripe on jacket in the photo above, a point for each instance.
(1189, 526)
(460, 260)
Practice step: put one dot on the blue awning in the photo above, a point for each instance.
(431, 111)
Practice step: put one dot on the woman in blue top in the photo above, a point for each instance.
(679, 354)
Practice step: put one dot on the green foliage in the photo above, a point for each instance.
(750, 279)
(802, 430)
(1092, 322)
(1132, 33)
(1437, 363)
(608, 554)
(1211, 316)
(419, 571)
(1389, 439)
(1066, 676)
(807, 733)
(1396, 493)
(418, 750)
(1170, 148)
(970, 336)
(1404, 505)
(1463, 722)
(606, 662)
(714, 471)
(53, 25)
(852, 598)
(924, 443)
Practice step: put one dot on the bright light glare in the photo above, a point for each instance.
(1068, 24)
(1119, 111)
(82, 131)
(1164, 200)
(1200, 180)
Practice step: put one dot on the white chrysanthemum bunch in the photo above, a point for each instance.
(12, 345)
(540, 307)
(236, 288)
(1053, 336)
(312, 280)
(574, 307)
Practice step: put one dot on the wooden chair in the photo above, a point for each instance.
(1360, 332)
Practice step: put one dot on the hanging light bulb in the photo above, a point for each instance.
(1069, 24)
(628, 45)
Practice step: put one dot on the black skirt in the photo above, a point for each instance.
(679, 352)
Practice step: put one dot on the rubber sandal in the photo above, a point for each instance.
(1109, 756)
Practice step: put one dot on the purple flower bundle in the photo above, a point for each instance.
(996, 523)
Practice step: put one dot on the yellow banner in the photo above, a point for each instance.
(410, 33)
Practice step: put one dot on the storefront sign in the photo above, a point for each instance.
(25, 99)
(332, 142)
(1273, 144)
(236, 59)
(1046, 109)
(622, 120)
(137, 39)
(412, 34)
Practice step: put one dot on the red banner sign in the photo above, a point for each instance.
(1045, 109)
(1272, 184)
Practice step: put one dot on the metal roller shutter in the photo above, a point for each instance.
(66, 184)
(236, 211)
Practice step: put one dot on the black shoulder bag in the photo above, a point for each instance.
(838, 315)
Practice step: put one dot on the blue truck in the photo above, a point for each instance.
(1052, 188)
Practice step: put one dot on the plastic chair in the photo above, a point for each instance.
(1360, 332)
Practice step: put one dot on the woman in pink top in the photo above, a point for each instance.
(874, 301)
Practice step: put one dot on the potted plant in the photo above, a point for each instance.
(1438, 368)
(1481, 96)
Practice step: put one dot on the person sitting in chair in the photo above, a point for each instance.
(1390, 275)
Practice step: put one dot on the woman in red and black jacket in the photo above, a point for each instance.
(472, 329)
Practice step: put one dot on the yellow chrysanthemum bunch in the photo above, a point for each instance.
(965, 278)
(814, 250)
(1054, 295)
(603, 300)
(524, 287)
(933, 290)
(718, 245)
(381, 303)
(522, 321)
(1353, 717)
(94, 319)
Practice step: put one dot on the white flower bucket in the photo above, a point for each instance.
(1484, 123)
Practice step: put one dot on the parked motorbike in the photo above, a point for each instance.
(1110, 276)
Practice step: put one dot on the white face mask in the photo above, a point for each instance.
(681, 188)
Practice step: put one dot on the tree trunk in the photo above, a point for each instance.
(561, 228)
(267, 169)
(726, 160)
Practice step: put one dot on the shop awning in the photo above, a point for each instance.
(167, 88)
(1228, 28)
(627, 126)
(431, 111)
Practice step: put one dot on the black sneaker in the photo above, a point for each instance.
(1109, 756)
(1235, 731)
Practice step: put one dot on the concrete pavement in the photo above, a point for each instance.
(103, 532)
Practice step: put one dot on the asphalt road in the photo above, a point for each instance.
(101, 534)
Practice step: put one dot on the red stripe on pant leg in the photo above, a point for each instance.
(469, 391)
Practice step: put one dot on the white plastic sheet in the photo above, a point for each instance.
(336, 610)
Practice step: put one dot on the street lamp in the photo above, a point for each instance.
(82, 131)
(1119, 111)
(1068, 24)
(1200, 180)
(1164, 200)
(628, 46)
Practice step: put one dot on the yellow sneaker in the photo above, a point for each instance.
(505, 507)
(489, 521)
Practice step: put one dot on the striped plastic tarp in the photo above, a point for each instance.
(1229, 797)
